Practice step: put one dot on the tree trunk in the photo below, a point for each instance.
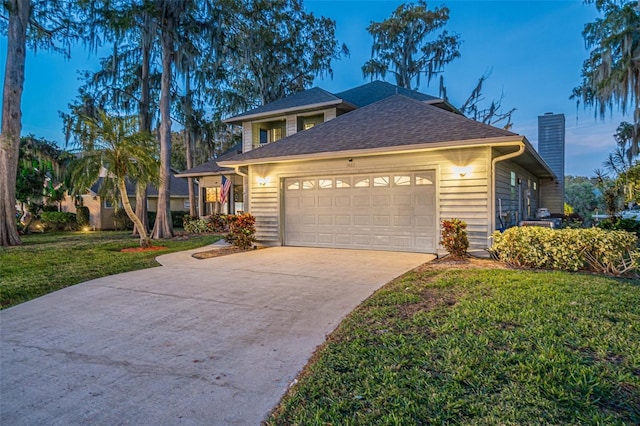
(141, 208)
(188, 141)
(144, 116)
(163, 227)
(19, 13)
(192, 195)
(145, 241)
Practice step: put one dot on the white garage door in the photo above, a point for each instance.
(376, 211)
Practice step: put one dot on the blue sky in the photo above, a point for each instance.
(533, 49)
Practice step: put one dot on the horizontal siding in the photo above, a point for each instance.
(247, 138)
(292, 125)
(264, 206)
(511, 208)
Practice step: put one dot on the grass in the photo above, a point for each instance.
(489, 347)
(48, 262)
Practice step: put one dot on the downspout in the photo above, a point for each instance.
(508, 156)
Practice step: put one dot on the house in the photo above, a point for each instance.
(102, 211)
(377, 167)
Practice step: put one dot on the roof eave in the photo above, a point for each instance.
(238, 119)
(495, 141)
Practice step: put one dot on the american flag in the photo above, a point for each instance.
(224, 192)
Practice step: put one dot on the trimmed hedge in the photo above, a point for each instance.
(83, 216)
(598, 250)
(59, 221)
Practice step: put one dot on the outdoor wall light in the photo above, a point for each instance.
(462, 171)
(263, 181)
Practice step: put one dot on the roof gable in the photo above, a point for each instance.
(377, 90)
(392, 122)
(211, 167)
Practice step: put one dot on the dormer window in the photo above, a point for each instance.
(265, 132)
(305, 122)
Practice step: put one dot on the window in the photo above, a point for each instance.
(211, 195)
(264, 136)
(325, 183)
(402, 180)
(381, 181)
(343, 182)
(423, 180)
(535, 186)
(108, 204)
(308, 184)
(294, 185)
(186, 204)
(361, 182)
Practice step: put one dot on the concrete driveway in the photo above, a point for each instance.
(194, 342)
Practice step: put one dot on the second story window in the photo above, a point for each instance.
(264, 136)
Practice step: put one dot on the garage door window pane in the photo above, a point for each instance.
(294, 185)
(361, 182)
(308, 184)
(343, 183)
(402, 180)
(325, 183)
(381, 181)
(424, 179)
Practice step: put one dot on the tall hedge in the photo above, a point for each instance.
(598, 250)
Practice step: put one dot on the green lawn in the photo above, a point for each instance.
(51, 261)
(486, 347)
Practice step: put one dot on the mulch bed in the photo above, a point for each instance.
(222, 251)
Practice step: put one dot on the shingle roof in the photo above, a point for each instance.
(178, 187)
(377, 90)
(392, 122)
(308, 97)
(211, 167)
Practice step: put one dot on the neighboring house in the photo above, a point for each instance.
(377, 167)
(102, 211)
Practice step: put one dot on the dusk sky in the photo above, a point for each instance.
(533, 51)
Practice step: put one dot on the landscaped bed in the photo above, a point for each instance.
(51, 261)
(449, 345)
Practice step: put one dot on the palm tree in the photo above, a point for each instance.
(115, 145)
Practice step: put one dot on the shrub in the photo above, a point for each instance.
(242, 230)
(220, 222)
(177, 218)
(619, 224)
(194, 225)
(151, 218)
(58, 221)
(121, 220)
(83, 216)
(608, 252)
(454, 237)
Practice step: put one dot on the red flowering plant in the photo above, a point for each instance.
(242, 230)
(454, 237)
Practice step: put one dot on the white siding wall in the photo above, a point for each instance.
(464, 198)
(247, 137)
(329, 114)
(292, 125)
